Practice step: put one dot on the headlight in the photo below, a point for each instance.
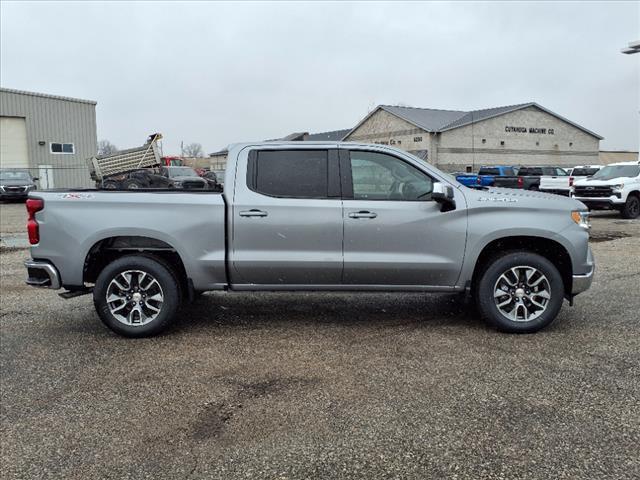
(177, 183)
(620, 186)
(581, 218)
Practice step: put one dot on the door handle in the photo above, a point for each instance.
(363, 214)
(253, 213)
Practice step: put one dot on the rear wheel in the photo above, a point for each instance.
(631, 207)
(137, 296)
(520, 292)
(133, 184)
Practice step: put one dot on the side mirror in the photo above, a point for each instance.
(443, 194)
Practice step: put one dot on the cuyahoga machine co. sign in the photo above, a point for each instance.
(539, 131)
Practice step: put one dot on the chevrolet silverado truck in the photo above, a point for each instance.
(614, 187)
(562, 184)
(528, 178)
(485, 176)
(312, 216)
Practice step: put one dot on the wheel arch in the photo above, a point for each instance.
(552, 250)
(109, 248)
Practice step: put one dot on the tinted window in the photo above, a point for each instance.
(291, 173)
(489, 171)
(56, 147)
(532, 171)
(67, 148)
(377, 176)
(584, 172)
(561, 172)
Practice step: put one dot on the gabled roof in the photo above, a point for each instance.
(334, 135)
(433, 120)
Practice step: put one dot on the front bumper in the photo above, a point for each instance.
(606, 203)
(42, 274)
(582, 282)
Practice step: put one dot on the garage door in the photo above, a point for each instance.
(13, 143)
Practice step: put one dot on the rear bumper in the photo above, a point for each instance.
(42, 274)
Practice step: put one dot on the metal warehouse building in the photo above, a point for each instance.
(51, 136)
(454, 140)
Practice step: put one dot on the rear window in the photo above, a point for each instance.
(290, 173)
(584, 172)
(529, 171)
(489, 171)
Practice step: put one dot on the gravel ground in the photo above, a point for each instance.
(325, 385)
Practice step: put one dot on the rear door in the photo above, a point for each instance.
(287, 218)
(394, 234)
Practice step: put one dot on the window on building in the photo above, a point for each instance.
(290, 173)
(484, 140)
(63, 148)
(377, 176)
(502, 142)
(571, 144)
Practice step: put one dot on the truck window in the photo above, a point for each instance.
(530, 171)
(377, 176)
(290, 173)
(489, 171)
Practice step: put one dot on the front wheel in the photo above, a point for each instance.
(520, 292)
(136, 296)
(631, 207)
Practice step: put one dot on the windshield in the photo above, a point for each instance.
(182, 172)
(15, 176)
(616, 171)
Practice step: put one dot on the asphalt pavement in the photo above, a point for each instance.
(324, 386)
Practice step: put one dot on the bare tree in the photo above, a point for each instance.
(193, 150)
(105, 147)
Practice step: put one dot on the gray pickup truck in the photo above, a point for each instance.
(312, 216)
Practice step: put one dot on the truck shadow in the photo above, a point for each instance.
(255, 310)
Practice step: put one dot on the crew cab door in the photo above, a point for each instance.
(286, 218)
(394, 234)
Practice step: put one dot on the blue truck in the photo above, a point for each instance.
(485, 176)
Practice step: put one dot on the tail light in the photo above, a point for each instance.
(33, 205)
(571, 181)
(520, 182)
(478, 181)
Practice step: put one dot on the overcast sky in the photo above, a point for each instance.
(217, 73)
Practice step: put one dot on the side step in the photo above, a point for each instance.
(76, 293)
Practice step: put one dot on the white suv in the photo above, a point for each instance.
(614, 187)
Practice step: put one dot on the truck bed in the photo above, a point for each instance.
(191, 224)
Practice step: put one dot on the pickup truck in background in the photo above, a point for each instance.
(485, 176)
(613, 187)
(528, 178)
(312, 217)
(561, 184)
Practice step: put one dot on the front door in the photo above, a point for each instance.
(394, 234)
(287, 219)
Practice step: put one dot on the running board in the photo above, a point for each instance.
(76, 293)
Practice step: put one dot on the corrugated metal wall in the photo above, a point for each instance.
(58, 120)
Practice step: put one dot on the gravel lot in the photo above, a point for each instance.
(324, 385)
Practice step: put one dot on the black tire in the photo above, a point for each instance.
(484, 292)
(631, 207)
(132, 184)
(156, 269)
(110, 185)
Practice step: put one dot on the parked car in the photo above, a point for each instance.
(185, 178)
(614, 187)
(485, 176)
(15, 184)
(319, 217)
(528, 178)
(561, 184)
